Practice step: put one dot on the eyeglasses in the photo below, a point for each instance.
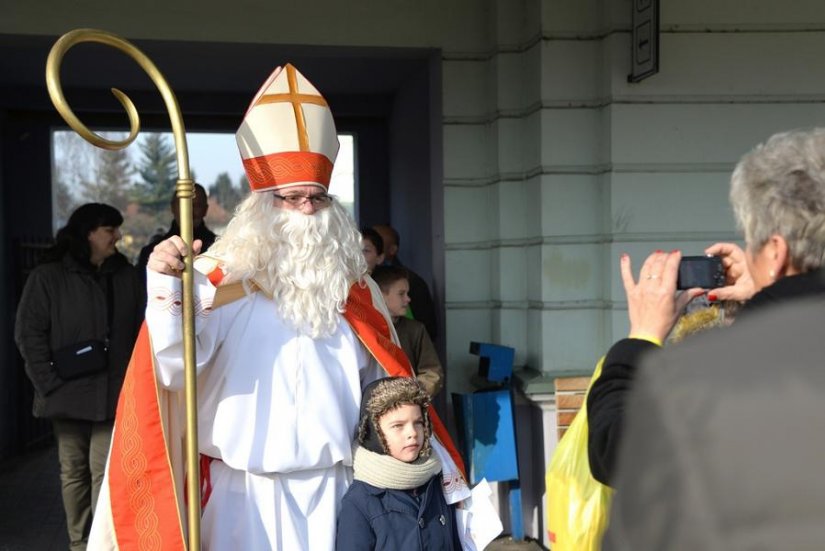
(320, 200)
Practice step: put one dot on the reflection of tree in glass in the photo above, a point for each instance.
(64, 202)
(139, 181)
(225, 193)
(111, 182)
(86, 174)
(139, 227)
(224, 196)
(76, 167)
(157, 167)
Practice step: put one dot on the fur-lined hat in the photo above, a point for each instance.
(385, 395)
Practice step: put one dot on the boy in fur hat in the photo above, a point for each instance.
(395, 502)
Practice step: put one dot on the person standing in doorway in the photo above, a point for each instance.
(421, 301)
(372, 245)
(200, 206)
(77, 321)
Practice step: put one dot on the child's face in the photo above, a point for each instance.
(371, 254)
(397, 297)
(403, 429)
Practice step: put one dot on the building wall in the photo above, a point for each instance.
(563, 165)
(553, 164)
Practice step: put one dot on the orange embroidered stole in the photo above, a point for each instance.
(141, 484)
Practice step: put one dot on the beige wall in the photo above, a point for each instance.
(567, 165)
(553, 163)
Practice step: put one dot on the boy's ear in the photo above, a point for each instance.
(380, 258)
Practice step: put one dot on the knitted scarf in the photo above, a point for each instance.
(385, 471)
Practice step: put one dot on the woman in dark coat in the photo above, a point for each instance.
(778, 197)
(84, 295)
(396, 502)
(723, 439)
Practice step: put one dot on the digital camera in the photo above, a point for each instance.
(700, 271)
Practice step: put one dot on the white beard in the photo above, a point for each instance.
(306, 262)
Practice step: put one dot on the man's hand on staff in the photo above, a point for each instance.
(166, 256)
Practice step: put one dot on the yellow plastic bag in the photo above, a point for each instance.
(577, 504)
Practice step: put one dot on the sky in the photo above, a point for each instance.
(211, 154)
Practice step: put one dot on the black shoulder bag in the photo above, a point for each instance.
(86, 357)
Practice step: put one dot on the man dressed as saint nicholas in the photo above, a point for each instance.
(289, 329)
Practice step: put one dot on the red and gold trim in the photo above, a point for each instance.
(141, 483)
(290, 167)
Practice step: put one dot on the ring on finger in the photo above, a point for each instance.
(651, 276)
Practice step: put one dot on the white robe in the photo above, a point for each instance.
(278, 408)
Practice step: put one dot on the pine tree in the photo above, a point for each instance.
(158, 173)
(243, 187)
(225, 193)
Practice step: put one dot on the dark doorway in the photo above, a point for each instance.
(388, 98)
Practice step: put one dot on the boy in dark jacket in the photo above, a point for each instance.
(396, 502)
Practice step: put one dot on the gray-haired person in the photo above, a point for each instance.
(724, 434)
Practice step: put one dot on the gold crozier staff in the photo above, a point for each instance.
(184, 191)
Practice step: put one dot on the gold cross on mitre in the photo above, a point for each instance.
(296, 99)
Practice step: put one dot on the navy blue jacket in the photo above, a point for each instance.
(394, 520)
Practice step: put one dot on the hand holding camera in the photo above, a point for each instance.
(653, 305)
(738, 284)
